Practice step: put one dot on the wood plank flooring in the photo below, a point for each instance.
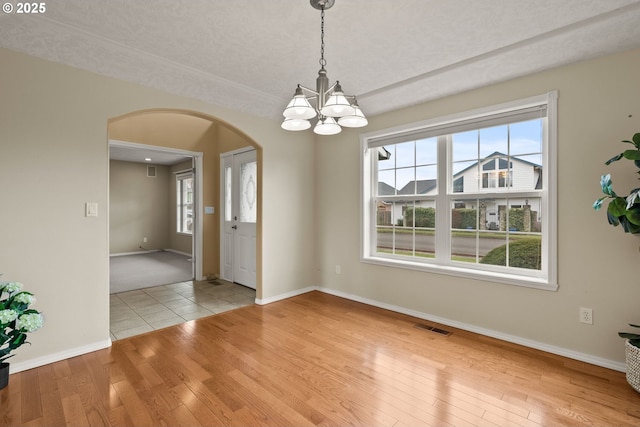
(317, 359)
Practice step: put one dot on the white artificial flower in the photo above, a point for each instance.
(12, 287)
(30, 322)
(25, 298)
(7, 316)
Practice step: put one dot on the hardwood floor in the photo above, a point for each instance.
(317, 359)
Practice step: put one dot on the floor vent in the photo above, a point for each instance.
(432, 329)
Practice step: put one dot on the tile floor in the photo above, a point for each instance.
(143, 310)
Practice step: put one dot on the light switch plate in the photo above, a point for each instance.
(91, 209)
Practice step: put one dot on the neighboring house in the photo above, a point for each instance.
(494, 174)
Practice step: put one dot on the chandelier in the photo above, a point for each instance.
(333, 108)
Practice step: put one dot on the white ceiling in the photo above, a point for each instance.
(249, 55)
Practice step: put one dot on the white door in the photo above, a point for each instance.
(238, 245)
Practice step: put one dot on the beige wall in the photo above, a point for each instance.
(598, 265)
(54, 158)
(139, 207)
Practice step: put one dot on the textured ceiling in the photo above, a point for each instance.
(248, 55)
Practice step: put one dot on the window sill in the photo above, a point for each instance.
(487, 276)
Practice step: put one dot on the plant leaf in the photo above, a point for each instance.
(633, 215)
(632, 154)
(636, 140)
(614, 159)
(617, 207)
(629, 335)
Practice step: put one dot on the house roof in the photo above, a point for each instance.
(421, 186)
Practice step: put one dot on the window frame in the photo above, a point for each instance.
(181, 206)
(546, 278)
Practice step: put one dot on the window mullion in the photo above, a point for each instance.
(443, 218)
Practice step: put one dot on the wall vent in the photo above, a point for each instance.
(151, 171)
(432, 329)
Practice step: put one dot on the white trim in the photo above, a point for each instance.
(286, 295)
(56, 357)
(560, 351)
(477, 274)
(237, 151)
(135, 253)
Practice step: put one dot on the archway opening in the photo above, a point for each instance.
(191, 131)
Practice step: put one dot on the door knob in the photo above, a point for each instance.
(235, 227)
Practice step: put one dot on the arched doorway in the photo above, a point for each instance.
(191, 131)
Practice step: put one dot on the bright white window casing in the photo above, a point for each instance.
(184, 197)
(471, 194)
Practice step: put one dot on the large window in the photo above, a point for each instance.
(470, 194)
(184, 197)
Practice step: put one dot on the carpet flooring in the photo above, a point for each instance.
(130, 272)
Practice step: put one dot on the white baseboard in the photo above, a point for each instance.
(56, 357)
(583, 357)
(284, 296)
(151, 251)
(177, 252)
(135, 253)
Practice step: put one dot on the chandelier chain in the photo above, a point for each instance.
(322, 61)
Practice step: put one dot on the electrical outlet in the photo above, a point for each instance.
(586, 316)
(338, 269)
(144, 240)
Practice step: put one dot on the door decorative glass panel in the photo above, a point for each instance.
(248, 192)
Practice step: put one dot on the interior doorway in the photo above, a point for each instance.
(190, 131)
(155, 200)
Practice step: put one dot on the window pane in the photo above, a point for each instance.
(385, 226)
(227, 194)
(465, 177)
(524, 249)
(405, 180)
(427, 151)
(387, 182)
(465, 145)
(494, 140)
(184, 196)
(406, 228)
(405, 154)
(525, 137)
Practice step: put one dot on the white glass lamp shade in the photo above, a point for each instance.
(299, 107)
(356, 120)
(337, 106)
(295, 124)
(327, 126)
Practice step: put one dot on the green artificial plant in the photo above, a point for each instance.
(622, 210)
(16, 318)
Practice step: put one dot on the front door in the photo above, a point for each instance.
(240, 186)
